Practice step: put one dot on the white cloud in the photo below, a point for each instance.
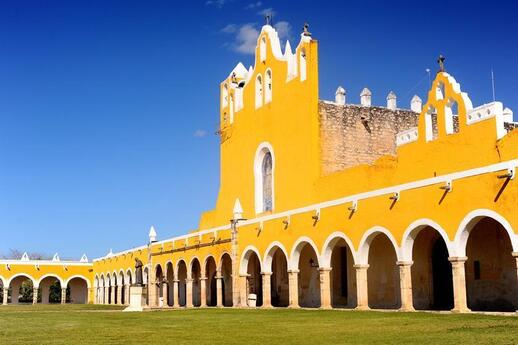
(267, 11)
(283, 29)
(253, 5)
(217, 3)
(200, 133)
(229, 29)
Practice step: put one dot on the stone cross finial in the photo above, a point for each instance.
(440, 61)
(268, 19)
(305, 29)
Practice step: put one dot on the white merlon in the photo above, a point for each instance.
(366, 97)
(84, 258)
(391, 101)
(238, 210)
(55, 258)
(416, 104)
(508, 115)
(340, 95)
(152, 234)
(110, 254)
(25, 257)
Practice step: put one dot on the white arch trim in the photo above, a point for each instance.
(53, 275)
(411, 232)
(2, 280)
(296, 249)
(34, 281)
(362, 256)
(469, 222)
(262, 149)
(243, 266)
(194, 258)
(327, 248)
(78, 276)
(270, 252)
(220, 262)
(129, 275)
(177, 266)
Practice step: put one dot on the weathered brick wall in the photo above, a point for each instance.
(353, 135)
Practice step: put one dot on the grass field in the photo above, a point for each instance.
(88, 324)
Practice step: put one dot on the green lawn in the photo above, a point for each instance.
(88, 324)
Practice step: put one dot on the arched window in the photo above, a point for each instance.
(264, 168)
(267, 182)
(268, 87)
(262, 49)
(258, 91)
(224, 96)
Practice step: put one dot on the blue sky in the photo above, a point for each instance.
(108, 108)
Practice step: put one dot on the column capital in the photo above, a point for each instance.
(293, 271)
(404, 263)
(176, 281)
(203, 278)
(189, 280)
(246, 275)
(454, 259)
(266, 273)
(360, 266)
(325, 269)
(515, 254)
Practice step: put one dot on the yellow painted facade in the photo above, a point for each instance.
(448, 181)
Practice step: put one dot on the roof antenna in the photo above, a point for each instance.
(493, 84)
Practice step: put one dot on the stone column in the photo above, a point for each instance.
(165, 295)
(34, 295)
(362, 294)
(243, 290)
(119, 294)
(63, 295)
(6, 295)
(293, 280)
(127, 293)
(405, 284)
(106, 294)
(267, 292)
(176, 294)
(459, 284)
(219, 290)
(325, 287)
(203, 292)
(188, 293)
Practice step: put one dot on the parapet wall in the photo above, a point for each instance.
(353, 134)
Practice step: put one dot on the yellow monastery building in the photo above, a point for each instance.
(329, 204)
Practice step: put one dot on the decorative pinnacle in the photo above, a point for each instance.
(440, 61)
(305, 29)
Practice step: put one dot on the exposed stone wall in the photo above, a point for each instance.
(354, 134)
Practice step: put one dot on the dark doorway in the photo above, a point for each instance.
(441, 277)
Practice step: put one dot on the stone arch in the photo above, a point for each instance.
(305, 259)
(210, 272)
(471, 219)
(129, 276)
(195, 275)
(270, 251)
(50, 291)
(78, 286)
(181, 276)
(122, 286)
(363, 248)
(379, 250)
(490, 268)
(225, 269)
(251, 268)
(338, 255)
(15, 283)
(411, 232)
(329, 243)
(49, 275)
(426, 245)
(262, 151)
(296, 249)
(276, 262)
(169, 277)
(245, 257)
